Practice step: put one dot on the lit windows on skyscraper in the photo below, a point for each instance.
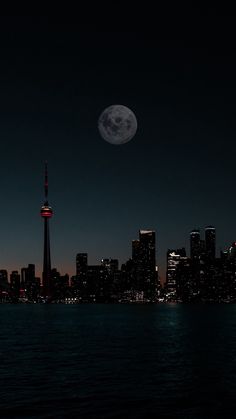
(81, 263)
(174, 257)
(195, 245)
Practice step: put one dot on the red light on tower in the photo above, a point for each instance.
(46, 211)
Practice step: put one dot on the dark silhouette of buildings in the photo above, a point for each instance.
(94, 283)
(202, 277)
(136, 280)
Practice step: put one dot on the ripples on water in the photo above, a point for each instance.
(117, 361)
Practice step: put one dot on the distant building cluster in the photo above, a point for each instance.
(201, 277)
(136, 281)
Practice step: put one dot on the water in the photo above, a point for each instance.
(117, 361)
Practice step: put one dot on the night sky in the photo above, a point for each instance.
(176, 174)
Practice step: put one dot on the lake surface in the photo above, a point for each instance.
(117, 361)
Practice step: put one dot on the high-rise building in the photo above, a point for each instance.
(46, 214)
(3, 275)
(23, 276)
(195, 245)
(27, 275)
(210, 243)
(202, 250)
(109, 276)
(231, 252)
(30, 273)
(79, 281)
(29, 282)
(81, 264)
(15, 284)
(147, 263)
(60, 285)
(174, 257)
(4, 285)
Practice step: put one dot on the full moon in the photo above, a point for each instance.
(117, 124)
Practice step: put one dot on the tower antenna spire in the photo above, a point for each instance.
(46, 181)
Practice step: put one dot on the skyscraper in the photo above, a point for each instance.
(210, 243)
(195, 245)
(81, 264)
(147, 262)
(174, 257)
(46, 214)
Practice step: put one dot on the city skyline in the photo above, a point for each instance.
(193, 243)
(176, 174)
(198, 277)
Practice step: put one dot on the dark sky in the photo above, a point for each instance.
(178, 173)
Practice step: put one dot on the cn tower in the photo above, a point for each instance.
(46, 214)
